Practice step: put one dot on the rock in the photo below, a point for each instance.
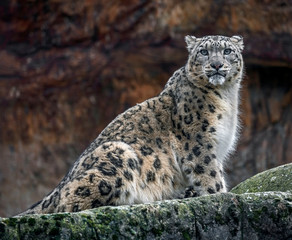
(276, 179)
(252, 215)
(219, 216)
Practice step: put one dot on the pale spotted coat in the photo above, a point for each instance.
(170, 146)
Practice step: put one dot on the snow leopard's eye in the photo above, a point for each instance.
(204, 52)
(227, 51)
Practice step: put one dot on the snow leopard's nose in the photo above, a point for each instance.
(216, 65)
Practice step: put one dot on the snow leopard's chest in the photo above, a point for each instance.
(227, 128)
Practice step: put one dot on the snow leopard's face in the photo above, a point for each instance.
(215, 59)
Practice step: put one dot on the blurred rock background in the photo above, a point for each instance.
(68, 67)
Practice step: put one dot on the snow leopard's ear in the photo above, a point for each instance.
(191, 42)
(238, 41)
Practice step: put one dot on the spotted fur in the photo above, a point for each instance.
(170, 146)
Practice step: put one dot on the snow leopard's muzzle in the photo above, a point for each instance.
(216, 70)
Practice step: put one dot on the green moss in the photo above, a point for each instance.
(133, 221)
(157, 231)
(11, 222)
(23, 220)
(58, 224)
(2, 227)
(218, 216)
(233, 213)
(59, 216)
(276, 179)
(31, 222)
(256, 214)
(89, 221)
(72, 220)
(219, 219)
(46, 224)
(186, 235)
(54, 231)
(38, 231)
(102, 228)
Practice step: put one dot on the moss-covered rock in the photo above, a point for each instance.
(219, 216)
(276, 179)
(251, 215)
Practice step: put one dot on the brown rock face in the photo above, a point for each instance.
(67, 68)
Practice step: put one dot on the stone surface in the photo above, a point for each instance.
(68, 68)
(220, 216)
(276, 179)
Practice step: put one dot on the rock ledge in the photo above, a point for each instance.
(275, 179)
(266, 215)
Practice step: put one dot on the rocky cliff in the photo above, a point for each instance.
(68, 68)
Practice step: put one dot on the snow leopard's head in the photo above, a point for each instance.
(216, 60)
